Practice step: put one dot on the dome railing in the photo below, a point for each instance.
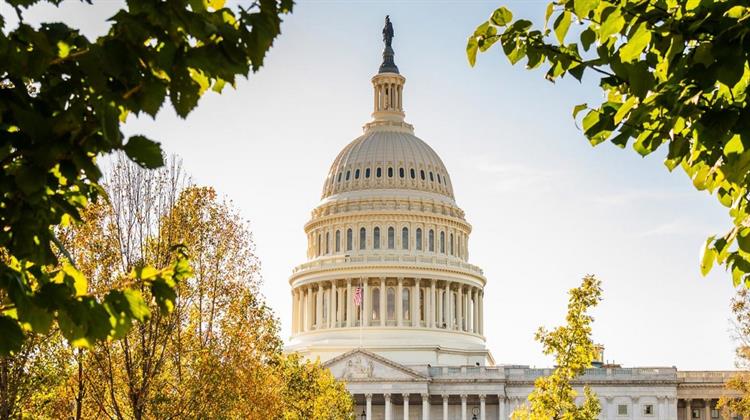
(355, 260)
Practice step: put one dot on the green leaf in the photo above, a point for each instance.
(146, 153)
(612, 24)
(501, 17)
(588, 37)
(561, 25)
(692, 4)
(548, 13)
(736, 12)
(584, 7)
(622, 112)
(579, 108)
(12, 335)
(471, 50)
(708, 255)
(743, 239)
(638, 42)
(164, 295)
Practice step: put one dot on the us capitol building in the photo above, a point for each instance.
(390, 304)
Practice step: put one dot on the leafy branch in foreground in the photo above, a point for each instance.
(63, 99)
(553, 396)
(674, 74)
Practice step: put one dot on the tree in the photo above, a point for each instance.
(63, 98)
(674, 74)
(553, 396)
(311, 392)
(736, 399)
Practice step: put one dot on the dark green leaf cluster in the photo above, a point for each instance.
(674, 73)
(63, 98)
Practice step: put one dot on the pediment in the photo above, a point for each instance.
(360, 365)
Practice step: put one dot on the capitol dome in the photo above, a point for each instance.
(388, 247)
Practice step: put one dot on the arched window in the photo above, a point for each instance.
(405, 238)
(356, 174)
(390, 172)
(391, 238)
(438, 177)
(432, 178)
(319, 244)
(367, 173)
(378, 172)
(390, 304)
(406, 313)
(376, 238)
(376, 304)
(451, 244)
(338, 241)
(419, 239)
(348, 174)
(421, 174)
(349, 239)
(431, 241)
(442, 242)
(340, 173)
(412, 173)
(401, 172)
(328, 242)
(362, 238)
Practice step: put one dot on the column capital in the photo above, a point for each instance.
(425, 396)
(609, 398)
(445, 397)
(405, 397)
(400, 279)
(368, 396)
(482, 397)
(463, 397)
(501, 398)
(387, 396)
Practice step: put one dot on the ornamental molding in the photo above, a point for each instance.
(425, 272)
(363, 217)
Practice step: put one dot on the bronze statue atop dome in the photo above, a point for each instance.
(387, 31)
(388, 65)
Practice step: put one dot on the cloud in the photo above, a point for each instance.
(517, 177)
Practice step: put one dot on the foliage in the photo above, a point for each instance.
(673, 73)
(553, 396)
(63, 98)
(305, 379)
(736, 399)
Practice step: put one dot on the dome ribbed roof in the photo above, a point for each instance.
(388, 159)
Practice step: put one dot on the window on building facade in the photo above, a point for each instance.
(362, 238)
(442, 242)
(432, 178)
(338, 241)
(622, 410)
(390, 172)
(348, 174)
(320, 241)
(405, 295)
(431, 241)
(438, 177)
(648, 409)
(349, 239)
(405, 238)
(378, 172)
(367, 173)
(356, 174)
(696, 413)
(419, 239)
(451, 244)
(328, 242)
(400, 172)
(422, 309)
(375, 304)
(714, 413)
(421, 174)
(391, 238)
(376, 238)
(390, 304)
(412, 173)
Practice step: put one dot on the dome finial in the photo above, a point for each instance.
(388, 65)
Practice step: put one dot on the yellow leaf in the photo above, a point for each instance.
(63, 49)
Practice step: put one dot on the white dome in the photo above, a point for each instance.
(388, 158)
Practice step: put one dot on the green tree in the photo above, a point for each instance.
(674, 73)
(553, 396)
(736, 399)
(63, 98)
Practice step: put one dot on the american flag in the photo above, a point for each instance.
(358, 296)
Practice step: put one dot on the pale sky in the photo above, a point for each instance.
(546, 207)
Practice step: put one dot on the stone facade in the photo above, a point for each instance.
(390, 304)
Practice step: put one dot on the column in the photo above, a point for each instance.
(425, 406)
(446, 305)
(445, 406)
(415, 312)
(332, 305)
(439, 309)
(463, 406)
(294, 311)
(606, 403)
(482, 408)
(400, 302)
(460, 306)
(475, 311)
(342, 304)
(707, 409)
(368, 398)
(349, 304)
(383, 298)
(501, 408)
(406, 406)
(687, 409)
(387, 405)
(433, 306)
(308, 308)
(319, 307)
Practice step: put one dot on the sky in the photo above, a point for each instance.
(546, 207)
